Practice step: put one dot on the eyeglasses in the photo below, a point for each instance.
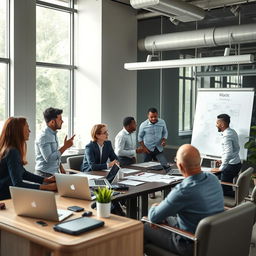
(106, 132)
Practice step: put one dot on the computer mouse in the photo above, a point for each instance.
(87, 214)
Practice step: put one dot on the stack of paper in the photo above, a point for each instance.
(89, 176)
(127, 171)
(146, 164)
(152, 177)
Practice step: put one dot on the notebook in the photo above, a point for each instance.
(111, 177)
(78, 226)
(37, 204)
(74, 186)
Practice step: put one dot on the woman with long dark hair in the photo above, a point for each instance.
(13, 149)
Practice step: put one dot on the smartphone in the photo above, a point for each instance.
(41, 223)
(75, 208)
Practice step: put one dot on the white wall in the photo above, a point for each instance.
(119, 45)
(105, 91)
(23, 66)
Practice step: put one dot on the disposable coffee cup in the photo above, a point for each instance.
(120, 175)
(213, 164)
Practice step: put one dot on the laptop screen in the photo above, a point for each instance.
(112, 173)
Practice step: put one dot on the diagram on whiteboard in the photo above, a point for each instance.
(211, 103)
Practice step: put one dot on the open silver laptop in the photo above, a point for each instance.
(73, 186)
(37, 204)
(106, 182)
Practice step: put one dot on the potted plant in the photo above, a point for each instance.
(251, 146)
(103, 201)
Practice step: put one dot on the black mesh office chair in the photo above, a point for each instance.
(226, 233)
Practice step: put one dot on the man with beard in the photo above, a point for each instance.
(152, 138)
(48, 153)
(230, 163)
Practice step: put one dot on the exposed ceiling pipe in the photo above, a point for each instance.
(210, 37)
(207, 5)
(177, 9)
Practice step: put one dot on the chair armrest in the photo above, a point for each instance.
(175, 230)
(72, 171)
(228, 184)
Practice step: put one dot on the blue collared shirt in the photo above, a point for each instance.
(195, 198)
(47, 152)
(152, 134)
(230, 148)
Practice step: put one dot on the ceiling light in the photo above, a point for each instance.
(206, 61)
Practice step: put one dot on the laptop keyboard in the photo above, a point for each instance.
(100, 182)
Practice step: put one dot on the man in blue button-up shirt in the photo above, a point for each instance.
(47, 148)
(199, 195)
(230, 160)
(152, 137)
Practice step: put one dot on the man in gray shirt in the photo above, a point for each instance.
(48, 153)
(198, 196)
(230, 163)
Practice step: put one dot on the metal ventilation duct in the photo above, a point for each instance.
(200, 38)
(177, 9)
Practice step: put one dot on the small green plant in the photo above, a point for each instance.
(251, 146)
(103, 195)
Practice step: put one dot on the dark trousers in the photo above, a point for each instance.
(125, 161)
(227, 175)
(156, 155)
(168, 240)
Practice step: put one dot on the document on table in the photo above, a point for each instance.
(151, 177)
(131, 182)
(206, 169)
(146, 164)
(127, 171)
(89, 176)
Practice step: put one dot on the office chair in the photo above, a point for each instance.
(226, 233)
(74, 163)
(241, 188)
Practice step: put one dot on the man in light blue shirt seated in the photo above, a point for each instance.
(199, 195)
(230, 163)
(125, 142)
(47, 149)
(152, 137)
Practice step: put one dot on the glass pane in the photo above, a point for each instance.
(3, 93)
(65, 3)
(180, 104)
(188, 72)
(3, 28)
(187, 105)
(52, 36)
(52, 90)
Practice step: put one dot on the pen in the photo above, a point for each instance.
(140, 173)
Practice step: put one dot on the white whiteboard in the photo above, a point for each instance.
(237, 103)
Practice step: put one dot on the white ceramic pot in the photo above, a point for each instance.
(103, 209)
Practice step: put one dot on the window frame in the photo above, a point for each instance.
(183, 78)
(71, 67)
(6, 60)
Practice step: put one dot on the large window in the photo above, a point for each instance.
(186, 100)
(55, 62)
(4, 59)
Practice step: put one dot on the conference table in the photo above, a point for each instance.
(137, 196)
(23, 236)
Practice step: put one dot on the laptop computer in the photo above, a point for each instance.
(74, 186)
(37, 204)
(106, 182)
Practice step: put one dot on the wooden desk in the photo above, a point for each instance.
(22, 236)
